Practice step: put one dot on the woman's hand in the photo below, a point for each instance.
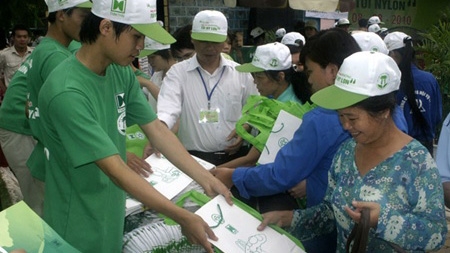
(236, 145)
(279, 218)
(225, 175)
(299, 190)
(355, 214)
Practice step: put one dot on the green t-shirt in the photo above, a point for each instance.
(47, 55)
(12, 111)
(84, 117)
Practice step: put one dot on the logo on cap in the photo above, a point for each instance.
(209, 27)
(274, 63)
(62, 2)
(118, 6)
(383, 81)
(345, 79)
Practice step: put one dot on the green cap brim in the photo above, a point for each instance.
(87, 4)
(335, 98)
(155, 32)
(248, 68)
(208, 37)
(145, 53)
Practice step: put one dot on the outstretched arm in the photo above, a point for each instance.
(193, 227)
(169, 145)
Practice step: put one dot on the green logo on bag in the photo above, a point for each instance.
(118, 6)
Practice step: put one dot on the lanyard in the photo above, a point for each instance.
(209, 95)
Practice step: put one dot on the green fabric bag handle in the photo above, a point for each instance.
(201, 199)
(261, 113)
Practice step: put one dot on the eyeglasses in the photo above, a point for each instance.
(220, 218)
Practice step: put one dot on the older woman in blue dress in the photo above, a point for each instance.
(380, 169)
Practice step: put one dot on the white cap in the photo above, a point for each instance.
(375, 28)
(140, 14)
(256, 32)
(210, 25)
(293, 38)
(369, 41)
(396, 40)
(56, 5)
(342, 21)
(374, 20)
(151, 46)
(280, 33)
(361, 75)
(272, 56)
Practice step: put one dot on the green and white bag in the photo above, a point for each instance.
(261, 113)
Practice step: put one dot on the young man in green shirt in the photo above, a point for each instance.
(15, 134)
(85, 106)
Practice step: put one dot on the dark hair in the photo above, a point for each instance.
(90, 28)
(294, 48)
(183, 37)
(362, 22)
(273, 74)
(301, 87)
(52, 15)
(231, 36)
(407, 82)
(19, 27)
(379, 104)
(165, 54)
(329, 46)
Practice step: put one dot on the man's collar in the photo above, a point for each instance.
(194, 64)
(14, 50)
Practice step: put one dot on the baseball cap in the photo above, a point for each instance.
(293, 38)
(209, 25)
(374, 20)
(343, 22)
(311, 24)
(280, 33)
(56, 5)
(272, 56)
(140, 14)
(396, 40)
(256, 32)
(369, 41)
(151, 46)
(362, 75)
(375, 28)
(383, 32)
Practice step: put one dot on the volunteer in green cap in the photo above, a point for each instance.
(16, 138)
(85, 106)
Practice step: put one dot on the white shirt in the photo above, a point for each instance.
(443, 151)
(10, 61)
(157, 80)
(183, 95)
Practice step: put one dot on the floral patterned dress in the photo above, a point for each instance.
(406, 185)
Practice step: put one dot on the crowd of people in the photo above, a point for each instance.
(79, 118)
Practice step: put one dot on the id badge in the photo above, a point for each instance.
(210, 116)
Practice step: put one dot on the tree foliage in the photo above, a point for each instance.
(436, 51)
(28, 12)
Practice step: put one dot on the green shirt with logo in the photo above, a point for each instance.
(84, 117)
